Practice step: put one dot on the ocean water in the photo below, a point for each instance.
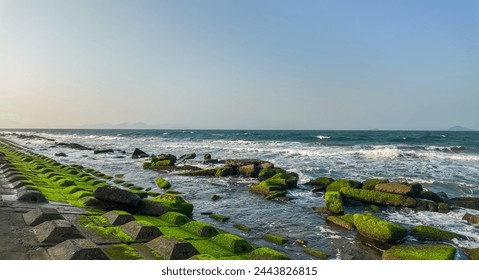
(443, 161)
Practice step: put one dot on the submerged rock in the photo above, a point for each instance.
(103, 151)
(430, 196)
(60, 154)
(472, 219)
(186, 157)
(73, 146)
(137, 153)
(432, 234)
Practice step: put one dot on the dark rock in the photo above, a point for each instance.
(152, 208)
(471, 219)
(242, 162)
(465, 202)
(172, 248)
(76, 249)
(16, 178)
(113, 198)
(443, 195)
(412, 190)
(320, 182)
(250, 170)
(430, 196)
(226, 171)
(169, 157)
(40, 215)
(104, 151)
(431, 206)
(207, 157)
(60, 154)
(74, 146)
(137, 153)
(187, 156)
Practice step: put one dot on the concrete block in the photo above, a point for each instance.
(117, 218)
(56, 231)
(141, 232)
(40, 215)
(172, 248)
(31, 196)
(77, 249)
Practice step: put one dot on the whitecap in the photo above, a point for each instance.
(321, 137)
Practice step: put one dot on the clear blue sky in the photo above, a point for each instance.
(323, 64)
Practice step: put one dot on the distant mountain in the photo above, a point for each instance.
(459, 128)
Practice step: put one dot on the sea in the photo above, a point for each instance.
(442, 161)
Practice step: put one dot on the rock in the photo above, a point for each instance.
(187, 156)
(334, 203)
(267, 254)
(374, 228)
(341, 221)
(104, 151)
(73, 146)
(219, 217)
(225, 172)
(141, 231)
(236, 163)
(31, 196)
(40, 215)
(250, 170)
(200, 229)
(76, 249)
(169, 157)
(55, 231)
(371, 183)
(172, 248)
(343, 183)
(275, 239)
(174, 203)
(378, 198)
(278, 183)
(443, 196)
(207, 157)
(152, 208)
(471, 219)
(430, 196)
(320, 183)
(465, 202)
(412, 190)
(60, 154)
(137, 153)
(232, 243)
(472, 254)
(420, 252)
(432, 234)
(162, 183)
(113, 198)
(316, 253)
(431, 206)
(267, 173)
(202, 172)
(116, 217)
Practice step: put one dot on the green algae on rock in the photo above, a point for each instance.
(316, 253)
(422, 232)
(334, 203)
(275, 239)
(341, 221)
(343, 183)
(379, 198)
(174, 203)
(420, 252)
(232, 243)
(242, 227)
(267, 254)
(369, 184)
(162, 183)
(374, 228)
(219, 217)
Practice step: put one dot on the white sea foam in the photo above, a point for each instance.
(322, 137)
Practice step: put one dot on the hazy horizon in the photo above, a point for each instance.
(219, 64)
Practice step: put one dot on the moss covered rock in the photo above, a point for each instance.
(434, 234)
(174, 203)
(343, 183)
(202, 172)
(232, 243)
(275, 239)
(379, 198)
(267, 173)
(320, 184)
(472, 254)
(316, 253)
(412, 190)
(341, 221)
(200, 229)
(225, 171)
(371, 183)
(420, 252)
(267, 254)
(334, 203)
(162, 183)
(374, 228)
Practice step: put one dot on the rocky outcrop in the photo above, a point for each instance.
(429, 233)
(137, 153)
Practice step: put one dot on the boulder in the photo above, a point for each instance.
(374, 228)
(103, 151)
(162, 183)
(342, 221)
(429, 233)
(60, 154)
(174, 203)
(465, 202)
(250, 170)
(76, 249)
(472, 219)
(420, 252)
(430, 196)
(412, 190)
(186, 157)
(369, 184)
(137, 153)
(152, 208)
(226, 171)
(267, 173)
(378, 198)
(40, 215)
(200, 229)
(172, 248)
(141, 231)
(320, 183)
(232, 243)
(207, 157)
(343, 183)
(113, 198)
(334, 203)
(169, 157)
(431, 206)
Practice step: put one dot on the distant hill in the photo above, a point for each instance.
(459, 128)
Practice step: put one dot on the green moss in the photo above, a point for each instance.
(420, 252)
(162, 163)
(430, 233)
(210, 248)
(100, 220)
(118, 181)
(131, 186)
(267, 254)
(316, 253)
(379, 198)
(215, 197)
(200, 229)
(219, 218)
(202, 172)
(122, 252)
(162, 183)
(374, 208)
(341, 222)
(371, 183)
(119, 175)
(343, 183)
(175, 218)
(275, 239)
(174, 203)
(154, 220)
(377, 229)
(472, 254)
(242, 227)
(177, 232)
(267, 189)
(288, 180)
(146, 165)
(321, 181)
(72, 189)
(334, 203)
(203, 257)
(80, 194)
(141, 194)
(232, 243)
(269, 172)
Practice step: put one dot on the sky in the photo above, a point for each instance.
(249, 64)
